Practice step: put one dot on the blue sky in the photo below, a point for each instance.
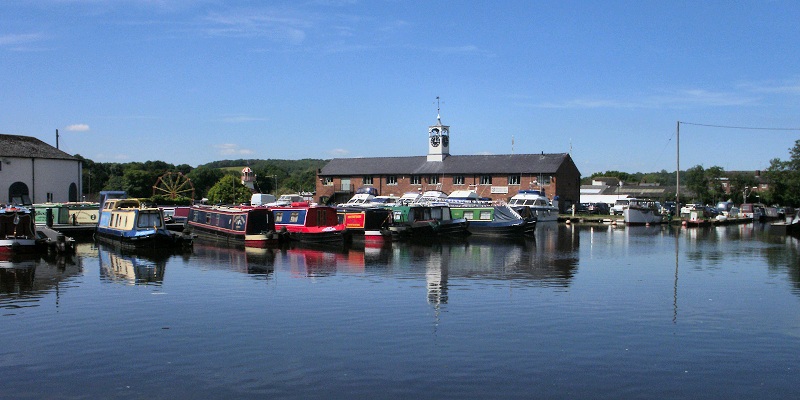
(193, 81)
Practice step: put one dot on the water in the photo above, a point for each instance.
(579, 312)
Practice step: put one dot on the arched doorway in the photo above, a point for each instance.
(73, 192)
(18, 194)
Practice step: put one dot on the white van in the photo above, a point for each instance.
(259, 199)
(619, 205)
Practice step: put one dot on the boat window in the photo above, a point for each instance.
(486, 215)
(149, 220)
(279, 216)
(294, 217)
(436, 213)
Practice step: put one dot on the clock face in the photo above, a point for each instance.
(445, 141)
(435, 141)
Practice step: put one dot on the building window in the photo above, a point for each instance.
(513, 180)
(434, 180)
(415, 180)
(328, 181)
(391, 180)
(486, 179)
(458, 180)
(368, 180)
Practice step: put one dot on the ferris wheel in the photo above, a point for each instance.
(174, 184)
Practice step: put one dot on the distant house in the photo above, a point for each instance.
(497, 177)
(32, 171)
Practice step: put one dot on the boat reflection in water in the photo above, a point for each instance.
(26, 278)
(550, 259)
(257, 261)
(135, 267)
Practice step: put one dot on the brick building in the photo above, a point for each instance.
(493, 176)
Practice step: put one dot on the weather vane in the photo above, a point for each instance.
(438, 114)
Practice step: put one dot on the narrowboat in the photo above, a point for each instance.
(73, 213)
(364, 217)
(426, 220)
(248, 226)
(310, 223)
(534, 203)
(130, 223)
(370, 224)
(18, 231)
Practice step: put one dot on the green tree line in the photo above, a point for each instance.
(138, 178)
(705, 185)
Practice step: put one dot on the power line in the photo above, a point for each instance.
(740, 127)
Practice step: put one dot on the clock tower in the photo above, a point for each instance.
(438, 139)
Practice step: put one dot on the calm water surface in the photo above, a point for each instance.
(579, 312)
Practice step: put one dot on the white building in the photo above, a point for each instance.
(32, 171)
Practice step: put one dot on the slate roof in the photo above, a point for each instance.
(29, 147)
(469, 164)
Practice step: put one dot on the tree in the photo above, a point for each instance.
(716, 191)
(138, 183)
(229, 190)
(697, 183)
(784, 179)
(203, 178)
(739, 183)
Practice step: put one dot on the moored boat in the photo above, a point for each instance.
(487, 218)
(248, 226)
(641, 212)
(310, 223)
(130, 223)
(495, 220)
(364, 217)
(426, 220)
(18, 231)
(72, 213)
(534, 203)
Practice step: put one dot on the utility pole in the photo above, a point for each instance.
(678, 174)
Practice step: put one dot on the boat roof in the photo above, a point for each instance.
(463, 195)
(531, 192)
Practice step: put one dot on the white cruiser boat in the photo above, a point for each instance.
(641, 212)
(536, 203)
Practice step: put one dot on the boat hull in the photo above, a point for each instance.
(502, 229)
(250, 227)
(314, 224)
(635, 216)
(160, 238)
